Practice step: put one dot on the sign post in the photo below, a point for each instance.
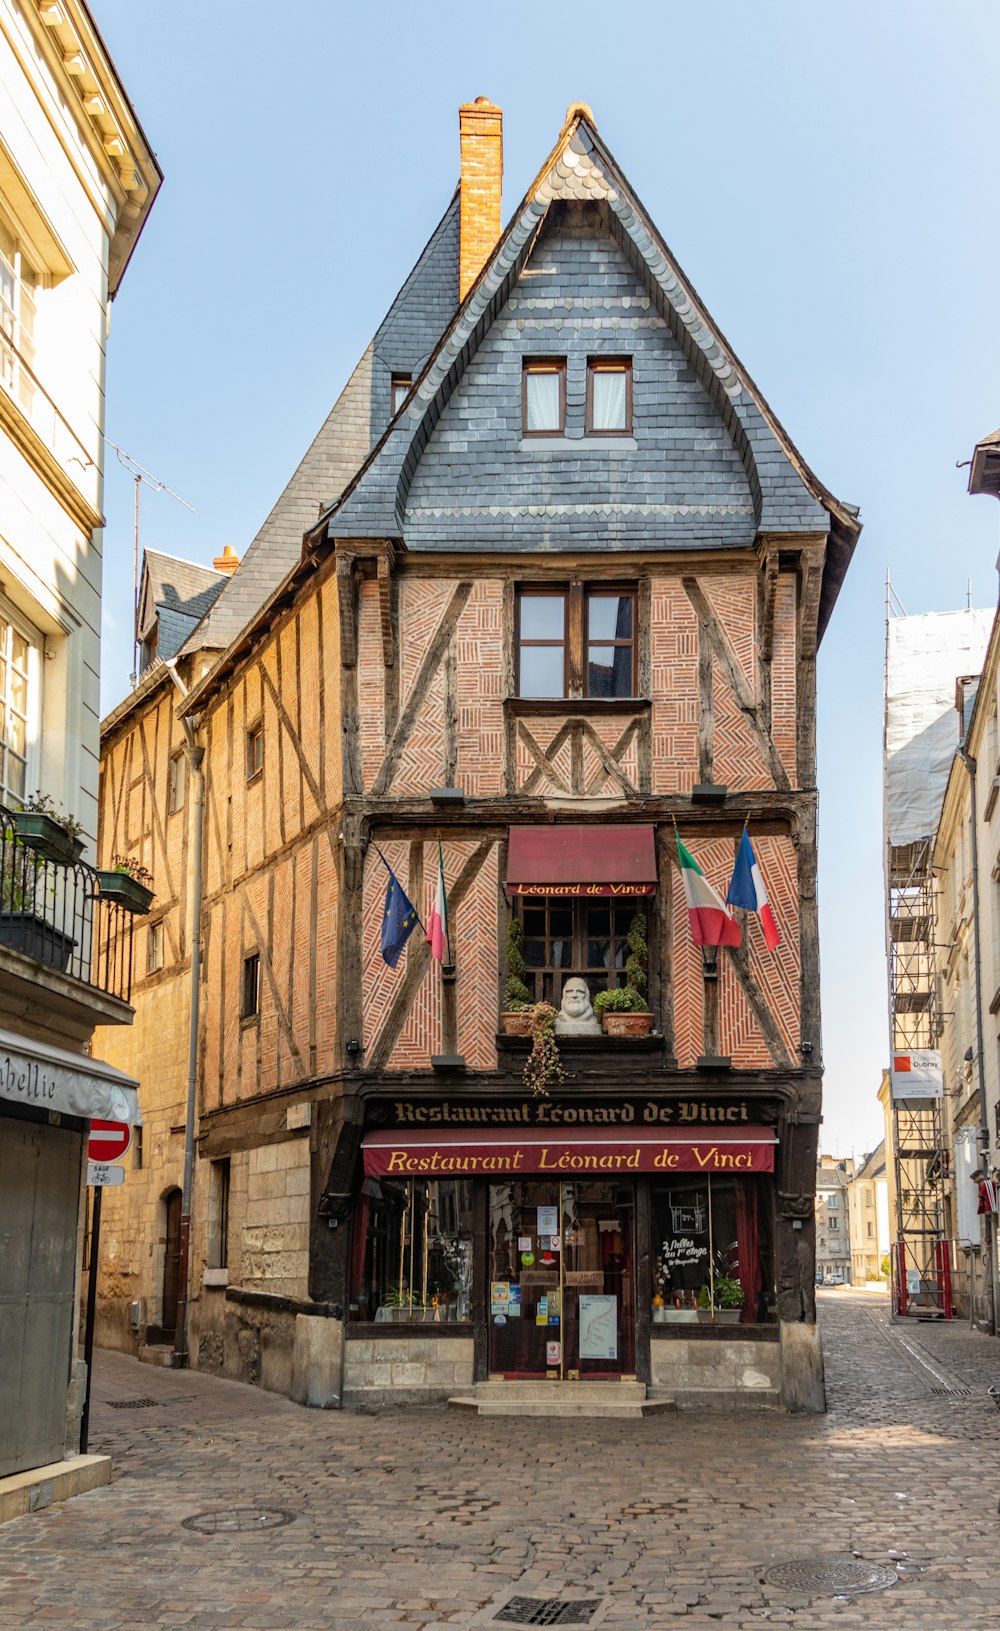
(108, 1142)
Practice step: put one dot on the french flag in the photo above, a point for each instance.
(747, 890)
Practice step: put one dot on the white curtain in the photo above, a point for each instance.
(543, 401)
(609, 399)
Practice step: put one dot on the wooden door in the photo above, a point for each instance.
(172, 1263)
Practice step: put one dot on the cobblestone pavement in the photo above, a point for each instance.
(428, 1518)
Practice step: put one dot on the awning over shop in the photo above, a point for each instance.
(581, 861)
(43, 1077)
(455, 1154)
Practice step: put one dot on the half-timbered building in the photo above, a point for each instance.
(560, 608)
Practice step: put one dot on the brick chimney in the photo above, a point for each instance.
(227, 562)
(481, 130)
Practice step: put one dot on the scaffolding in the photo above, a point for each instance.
(924, 656)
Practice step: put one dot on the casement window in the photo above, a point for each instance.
(250, 1005)
(255, 751)
(833, 1223)
(576, 642)
(176, 782)
(19, 281)
(564, 937)
(401, 384)
(154, 947)
(218, 1214)
(831, 1201)
(18, 680)
(543, 396)
(609, 396)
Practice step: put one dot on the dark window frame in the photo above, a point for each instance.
(176, 782)
(255, 750)
(250, 990)
(543, 365)
(608, 365)
(576, 640)
(403, 383)
(546, 980)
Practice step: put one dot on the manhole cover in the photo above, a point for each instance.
(131, 1404)
(831, 1576)
(245, 1519)
(548, 1611)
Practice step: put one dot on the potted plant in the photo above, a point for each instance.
(404, 1305)
(516, 1015)
(128, 883)
(23, 926)
(48, 831)
(543, 1067)
(624, 1011)
(724, 1307)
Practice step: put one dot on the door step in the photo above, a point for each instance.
(623, 1401)
(157, 1353)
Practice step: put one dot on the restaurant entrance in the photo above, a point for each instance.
(561, 1272)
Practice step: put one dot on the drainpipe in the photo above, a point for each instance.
(194, 755)
(989, 1278)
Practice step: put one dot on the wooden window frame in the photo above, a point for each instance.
(399, 382)
(609, 365)
(576, 641)
(543, 365)
(176, 782)
(152, 928)
(546, 980)
(255, 736)
(251, 960)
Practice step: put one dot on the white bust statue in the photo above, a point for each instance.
(576, 1017)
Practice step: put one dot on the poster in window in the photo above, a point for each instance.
(598, 1327)
(548, 1220)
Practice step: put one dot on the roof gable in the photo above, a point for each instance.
(786, 496)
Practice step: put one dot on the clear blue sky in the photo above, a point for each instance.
(825, 176)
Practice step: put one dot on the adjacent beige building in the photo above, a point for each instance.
(77, 180)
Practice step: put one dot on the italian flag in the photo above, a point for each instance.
(437, 923)
(711, 923)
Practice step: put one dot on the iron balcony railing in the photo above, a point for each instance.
(53, 912)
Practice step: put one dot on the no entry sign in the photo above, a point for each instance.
(108, 1140)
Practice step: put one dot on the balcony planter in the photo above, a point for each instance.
(627, 1024)
(125, 890)
(517, 1022)
(675, 1316)
(47, 837)
(33, 937)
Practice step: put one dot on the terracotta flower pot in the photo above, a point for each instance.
(627, 1024)
(517, 1023)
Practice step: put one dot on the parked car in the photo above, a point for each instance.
(833, 1279)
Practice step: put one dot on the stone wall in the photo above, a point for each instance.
(405, 1370)
(744, 1371)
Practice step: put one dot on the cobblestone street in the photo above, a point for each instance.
(429, 1518)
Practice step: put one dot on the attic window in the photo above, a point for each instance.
(401, 384)
(609, 396)
(543, 396)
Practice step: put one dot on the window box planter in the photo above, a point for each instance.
(627, 1024)
(125, 890)
(675, 1316)
(517, 1023)
(723, 1316)
(47, 837)
(33, 937)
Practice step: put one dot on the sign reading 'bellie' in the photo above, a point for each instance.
(453, 1154)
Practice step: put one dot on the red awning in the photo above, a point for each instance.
(453, 1153)
(581, 861)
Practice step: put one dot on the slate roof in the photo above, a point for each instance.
(411, 328)
(787, 496)
(184, 587)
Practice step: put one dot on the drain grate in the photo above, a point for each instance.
(550, 1611)
(131, 1404)
(242, 1519)
(952, 1392)
(831, 1576)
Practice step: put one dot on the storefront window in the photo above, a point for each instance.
(411, 1257)
(711, 1257)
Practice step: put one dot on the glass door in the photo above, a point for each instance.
(561, 1303)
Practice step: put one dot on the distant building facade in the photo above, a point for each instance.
(833, 1219)
(77, 181)
(868, 1218)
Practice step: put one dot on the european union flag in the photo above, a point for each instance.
(398, 921)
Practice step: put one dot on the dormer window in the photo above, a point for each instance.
(543, 396)
(401, 384)
(609, 396)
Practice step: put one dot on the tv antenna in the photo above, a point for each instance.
(140, 475)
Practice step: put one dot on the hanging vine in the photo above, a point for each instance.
(543, 1067)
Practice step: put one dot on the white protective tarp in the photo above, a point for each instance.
(924, 657)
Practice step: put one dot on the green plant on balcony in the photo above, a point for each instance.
(517, 1003)
(543, 1067)
(48, 830)
(128, 883)
(628, 999)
